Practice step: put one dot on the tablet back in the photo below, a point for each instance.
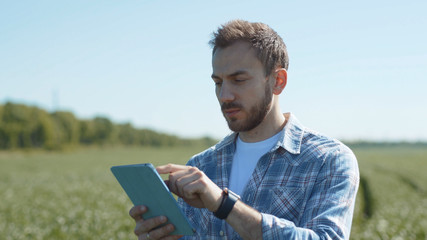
(144, 186)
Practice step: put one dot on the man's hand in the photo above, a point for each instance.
(147, 229)
(193, 186)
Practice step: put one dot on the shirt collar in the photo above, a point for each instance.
(292, 134)
(290, 139)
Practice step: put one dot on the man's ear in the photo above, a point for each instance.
(281, 80)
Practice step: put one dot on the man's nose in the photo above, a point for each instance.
(226, 93)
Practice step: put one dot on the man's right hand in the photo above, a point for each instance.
(147, 228)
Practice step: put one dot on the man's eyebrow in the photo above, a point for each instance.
(213, 76)
(236, 73)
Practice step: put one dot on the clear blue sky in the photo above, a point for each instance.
(357, 69)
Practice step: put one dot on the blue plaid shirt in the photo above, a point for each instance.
(305, 187)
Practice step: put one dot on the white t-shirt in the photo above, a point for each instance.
(245, 160)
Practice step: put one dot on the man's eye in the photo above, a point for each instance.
(218, 83)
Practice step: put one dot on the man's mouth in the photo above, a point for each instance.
(231, 112)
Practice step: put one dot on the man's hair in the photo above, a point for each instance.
(269, 46)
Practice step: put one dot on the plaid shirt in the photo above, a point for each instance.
(305, 187)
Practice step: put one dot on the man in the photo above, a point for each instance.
(293, 182)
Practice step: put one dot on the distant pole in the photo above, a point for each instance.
(55, 100)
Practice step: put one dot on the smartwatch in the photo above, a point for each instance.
(229, 198)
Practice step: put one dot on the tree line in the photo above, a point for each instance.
(23, 126)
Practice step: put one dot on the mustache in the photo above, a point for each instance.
(228, 105)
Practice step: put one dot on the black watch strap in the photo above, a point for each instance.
(229, 198)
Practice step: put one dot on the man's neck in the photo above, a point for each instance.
(272, 124)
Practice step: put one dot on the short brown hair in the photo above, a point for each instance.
(270, 48)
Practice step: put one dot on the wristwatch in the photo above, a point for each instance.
(229, 198)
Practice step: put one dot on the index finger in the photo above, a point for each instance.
(136, 212)
(170, 168)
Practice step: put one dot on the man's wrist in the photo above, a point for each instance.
(228, 200)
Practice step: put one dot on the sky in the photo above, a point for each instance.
(357, 68)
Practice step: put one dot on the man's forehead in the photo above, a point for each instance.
(236, 49)
(239, 57)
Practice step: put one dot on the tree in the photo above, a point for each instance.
(24, 126)
(103, 130)
(68, 125)
(127, 134)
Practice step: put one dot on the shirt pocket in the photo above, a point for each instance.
(287, 203)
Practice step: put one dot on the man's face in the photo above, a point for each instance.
(242, 89)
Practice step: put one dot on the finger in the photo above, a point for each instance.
(136, 212)
(208, 192)
(167, 182)
(170, 168)
(145, 226)
(175, 177)
(171, 182)
(183, 180)
(162, 232)
(190, 190)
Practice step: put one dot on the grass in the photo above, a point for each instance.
(73, 195)
(395, 181)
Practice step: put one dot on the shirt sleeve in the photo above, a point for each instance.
(188, 211)
(329, 209)
(192, 213)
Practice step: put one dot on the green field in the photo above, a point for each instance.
(73, 195)
(392, 198)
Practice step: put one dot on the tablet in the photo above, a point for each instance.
(144, 186)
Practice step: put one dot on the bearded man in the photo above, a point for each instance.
(272, 178)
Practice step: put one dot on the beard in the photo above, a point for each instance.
(256, 114)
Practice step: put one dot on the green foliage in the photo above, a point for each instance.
(67, 127)
(23, 126)
(126, 134)
(73, 195)
(377, 145)
(367, 200)
(86, 132)
(103, 130)
(392, 198)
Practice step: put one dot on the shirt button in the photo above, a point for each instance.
(221, 233)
